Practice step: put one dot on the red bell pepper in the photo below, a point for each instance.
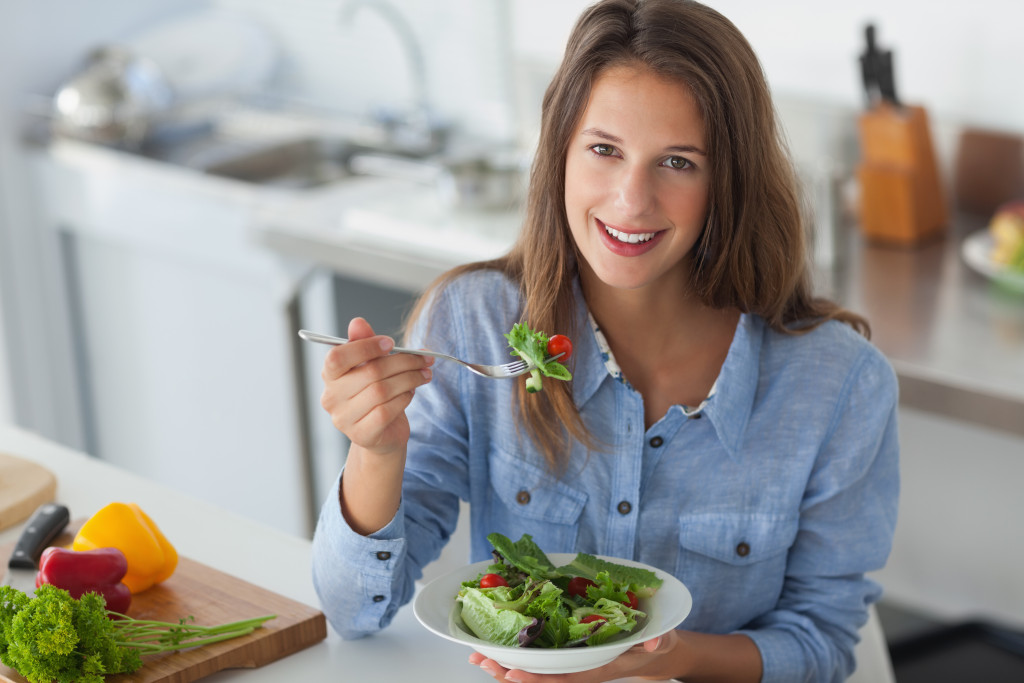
(87, 571)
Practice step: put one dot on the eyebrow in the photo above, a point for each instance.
(604, 135)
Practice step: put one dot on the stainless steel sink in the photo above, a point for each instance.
(271, 151)
(298, 164)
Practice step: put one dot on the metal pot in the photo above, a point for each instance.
(482, 183)
(114, 100)
(493, 182)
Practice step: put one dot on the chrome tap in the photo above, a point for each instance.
(418, 129)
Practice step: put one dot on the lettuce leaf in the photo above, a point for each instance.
(489, 622)
(532, 346)
(643, 582)
(524, 555)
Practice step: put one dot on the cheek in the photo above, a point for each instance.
(579, 195)
(687, 206)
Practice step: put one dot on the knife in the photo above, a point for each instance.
(43, 527)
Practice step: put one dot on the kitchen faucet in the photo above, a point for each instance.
(418, 130)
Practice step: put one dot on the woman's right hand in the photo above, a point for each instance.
(366, 389)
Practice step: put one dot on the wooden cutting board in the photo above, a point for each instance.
(24, 486)
(213, 597)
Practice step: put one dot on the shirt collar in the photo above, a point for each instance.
(728, 409)
(589, 369)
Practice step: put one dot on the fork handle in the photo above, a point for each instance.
(338, 341)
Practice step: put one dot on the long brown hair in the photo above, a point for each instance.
(751, 255)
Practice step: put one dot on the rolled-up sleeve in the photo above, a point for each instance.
(354, 575)
(362, 581)
(847, 521)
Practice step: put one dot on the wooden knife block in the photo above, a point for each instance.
(901, 197)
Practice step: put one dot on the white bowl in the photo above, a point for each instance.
(434, 608)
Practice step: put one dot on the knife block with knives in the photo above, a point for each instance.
(901, 197)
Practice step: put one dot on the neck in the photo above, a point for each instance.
(669, 345)
(661, 313)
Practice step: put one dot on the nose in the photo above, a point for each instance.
(635, 194)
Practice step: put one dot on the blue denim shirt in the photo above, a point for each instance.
(769, 503)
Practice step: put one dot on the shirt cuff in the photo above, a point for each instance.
(374, 559)
(779, 652)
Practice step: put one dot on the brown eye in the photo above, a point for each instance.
(678, 163)
(603, 150)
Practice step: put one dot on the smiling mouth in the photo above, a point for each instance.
(630, 237)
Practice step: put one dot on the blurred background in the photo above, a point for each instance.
(184, 184)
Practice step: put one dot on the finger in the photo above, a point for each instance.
(394, 374)
(653, 645)
(368, 430)
(344, 357)
(358, 328)
(491, 667)
(370, 403)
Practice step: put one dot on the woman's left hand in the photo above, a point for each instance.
(644, 660)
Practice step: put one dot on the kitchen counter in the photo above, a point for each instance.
(955, 339)
(253, 552)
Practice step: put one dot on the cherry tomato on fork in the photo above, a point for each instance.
(492, 581)
(559, 343)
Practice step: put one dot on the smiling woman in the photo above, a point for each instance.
(722, 424)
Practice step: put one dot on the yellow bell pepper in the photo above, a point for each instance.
(151, 557)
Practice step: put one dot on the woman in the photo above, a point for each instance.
(722, 424)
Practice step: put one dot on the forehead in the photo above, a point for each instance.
(638, 98)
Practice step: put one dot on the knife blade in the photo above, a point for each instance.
(42, 528)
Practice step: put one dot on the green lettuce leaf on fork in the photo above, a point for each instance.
(532, 346)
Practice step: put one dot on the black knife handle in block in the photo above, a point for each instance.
(43, 527)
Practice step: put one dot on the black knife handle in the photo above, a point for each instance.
(43, 527)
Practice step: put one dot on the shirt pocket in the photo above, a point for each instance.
(734, 563)
(525, 499)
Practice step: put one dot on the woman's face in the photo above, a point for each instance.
(636, 179)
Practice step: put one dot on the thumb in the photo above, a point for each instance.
(358, 328)
(653, 645)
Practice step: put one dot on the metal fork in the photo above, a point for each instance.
(506, 371)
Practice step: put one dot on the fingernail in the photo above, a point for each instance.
(427, 373)
(513, 678)
(387, 343)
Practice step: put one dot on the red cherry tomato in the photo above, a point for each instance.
(492, 581)
(590, 618)
(633, 602)
(560, 344)
(578, 586)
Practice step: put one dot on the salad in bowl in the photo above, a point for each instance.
(554, 613)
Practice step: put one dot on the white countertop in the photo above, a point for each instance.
(405, 651)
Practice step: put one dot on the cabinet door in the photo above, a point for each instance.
(186, 373)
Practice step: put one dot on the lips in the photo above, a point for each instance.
(625, 242)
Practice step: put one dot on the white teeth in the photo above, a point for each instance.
(631, 238)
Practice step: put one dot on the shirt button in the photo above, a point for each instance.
(624, 507)
(523, 497)
(656, 442)
(743, 549)
(378, 598)
(383, 555)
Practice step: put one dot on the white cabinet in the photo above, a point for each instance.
(180, 332)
